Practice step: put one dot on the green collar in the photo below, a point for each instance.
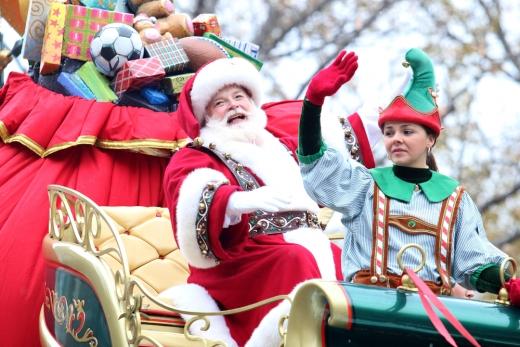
(436, 189)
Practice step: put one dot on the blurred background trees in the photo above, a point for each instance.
(475, 45)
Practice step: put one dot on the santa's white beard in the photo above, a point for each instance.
(249, 130)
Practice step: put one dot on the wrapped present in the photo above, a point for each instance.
(172, 85)
(83, 23)
(109, 5)
(50, 82)
(206, 23)
(53, 39)
(35, 28)
(134, 98)
(154, 96)
(172, 56)
(246, 47)
(74, 85)
(233, 51)
(137, 73)
(122, 6)
(71, 65)
(96, 82)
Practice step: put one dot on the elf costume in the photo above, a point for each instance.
(385, 209)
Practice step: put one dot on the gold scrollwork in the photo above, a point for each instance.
(70, 315)
(197, 316)
(78, 219)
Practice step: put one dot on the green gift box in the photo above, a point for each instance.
(233, 51)
(96, 82)
(172, 85)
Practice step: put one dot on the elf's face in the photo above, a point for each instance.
(231, 105)
(407, 143)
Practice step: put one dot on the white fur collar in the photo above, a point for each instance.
(268, 159)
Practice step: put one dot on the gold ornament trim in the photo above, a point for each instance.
(66, 314)
(503, 294)
(76, 218)
(139, 145)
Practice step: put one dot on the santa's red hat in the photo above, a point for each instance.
(209, 79)
(417, 104)
(220, 73)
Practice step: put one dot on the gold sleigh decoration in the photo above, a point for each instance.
(72, 316)
(77, 219)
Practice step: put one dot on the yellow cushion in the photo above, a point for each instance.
(153, 255)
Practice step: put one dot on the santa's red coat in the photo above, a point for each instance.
(250, 269)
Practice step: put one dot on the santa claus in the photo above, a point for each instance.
(239, 210)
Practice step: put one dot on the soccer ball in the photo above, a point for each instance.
(114, 45)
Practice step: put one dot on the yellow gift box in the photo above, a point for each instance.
(53, 39)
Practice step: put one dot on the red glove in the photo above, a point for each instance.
(513, 288)
(327, 81)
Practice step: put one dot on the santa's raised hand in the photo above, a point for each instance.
(328, 80)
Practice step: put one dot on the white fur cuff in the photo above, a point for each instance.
(187, 209)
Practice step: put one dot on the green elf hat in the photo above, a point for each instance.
(417, 104)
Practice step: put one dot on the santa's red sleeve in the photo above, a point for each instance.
(187, 177)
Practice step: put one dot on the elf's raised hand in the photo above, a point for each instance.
(328, 80)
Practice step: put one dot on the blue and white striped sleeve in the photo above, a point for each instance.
(472, 248)
(342, 185)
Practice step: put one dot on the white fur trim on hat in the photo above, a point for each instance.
(219, 73)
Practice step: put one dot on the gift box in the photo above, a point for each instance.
(154, 96)
(35, 28)
(96, 82)
(134, 98)
(53, 39)
(233, 51)
(109, 5)
(246, 47)
(74, 85)
(50, 82)
(206, 23)
(83, 23)
(172, 56)
(137, 73)
(172, 85)
(71, 65)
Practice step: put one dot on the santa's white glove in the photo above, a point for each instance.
(264, 198)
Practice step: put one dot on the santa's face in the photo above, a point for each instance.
(233, 116)
(231, 105)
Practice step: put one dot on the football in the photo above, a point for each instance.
(201, 50)
(114, 45)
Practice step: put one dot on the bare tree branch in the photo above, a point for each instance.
(510, 239)
(343, 40)
(204, 6)
(284, 27)
(499, 198)
(494, 22)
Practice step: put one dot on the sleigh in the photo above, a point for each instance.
(106, 265)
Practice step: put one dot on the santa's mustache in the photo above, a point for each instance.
(237, 112)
